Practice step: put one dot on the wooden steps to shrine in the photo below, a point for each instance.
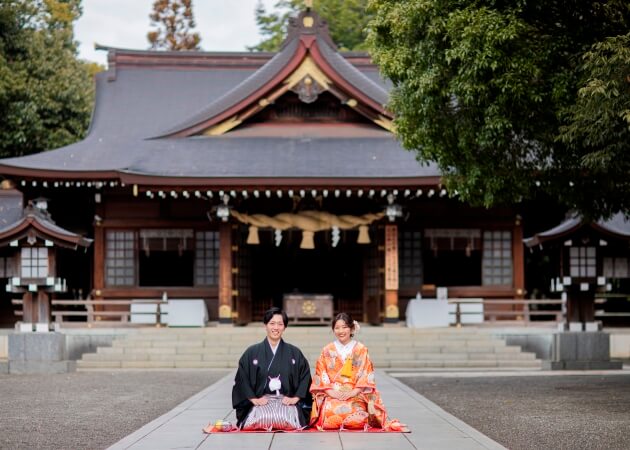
(395, 347)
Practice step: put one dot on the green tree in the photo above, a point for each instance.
(174, 21)
(512, 98)
(45, 91)
(599, 121)
(347, 22)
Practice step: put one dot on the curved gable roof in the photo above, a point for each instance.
(307, 36)
(252, 86)
(353, 76)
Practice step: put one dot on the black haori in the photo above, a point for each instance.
(258, 365)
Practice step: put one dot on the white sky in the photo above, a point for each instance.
(224, 25)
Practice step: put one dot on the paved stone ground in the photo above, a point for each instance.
(431, 427)
(92, 410)
(89, 410)
(537, 412)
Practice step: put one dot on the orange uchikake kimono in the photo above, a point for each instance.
(356, 371)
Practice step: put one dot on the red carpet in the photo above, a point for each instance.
(211, 429)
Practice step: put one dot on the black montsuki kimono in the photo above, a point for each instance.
(258, 364)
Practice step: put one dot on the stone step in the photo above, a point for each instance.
(463, 356)
(86, 365)
(168, 334)
(379, 360)
(535, 364)
(170, 364)
(365, 329)
(159, 357)
(235, 352)
(410, 338)
(375, 352)
(389, 348)
(206, 342)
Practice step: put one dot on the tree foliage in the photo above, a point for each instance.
(512, 98)
(347, 22)
(174, 22)
(600, 118)
(45, 91)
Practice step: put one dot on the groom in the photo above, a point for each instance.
(272, 367)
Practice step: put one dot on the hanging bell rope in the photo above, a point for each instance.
(308, 240)
(364, 236)
(252, 237)
(309, 222)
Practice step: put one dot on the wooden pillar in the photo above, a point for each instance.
(580, 304)
(225, 273)
(392, 313)
(518, 259)
(43, 307)
(27, 308)
(99, 256)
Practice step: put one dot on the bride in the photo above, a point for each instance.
(344, 393)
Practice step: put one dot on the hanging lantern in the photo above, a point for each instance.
(308, 241)
(252, 237)
(364, 236)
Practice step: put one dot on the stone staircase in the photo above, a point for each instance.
(395, 347)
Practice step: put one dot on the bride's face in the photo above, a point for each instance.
(342, 332)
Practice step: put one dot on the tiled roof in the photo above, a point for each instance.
(618, 226)
(147, 94)
(41, 222)
(241, 91)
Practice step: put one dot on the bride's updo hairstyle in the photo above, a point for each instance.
(347, 319)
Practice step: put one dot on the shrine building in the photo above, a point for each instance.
(246, 178)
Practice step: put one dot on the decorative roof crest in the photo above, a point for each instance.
(308, 23)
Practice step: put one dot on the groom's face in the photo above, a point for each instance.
(275, 327)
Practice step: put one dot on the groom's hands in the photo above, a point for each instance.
(259, 401)
(285, 401)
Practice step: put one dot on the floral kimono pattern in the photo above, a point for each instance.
(356, 371)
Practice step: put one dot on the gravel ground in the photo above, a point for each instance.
(538, 412)
(89, 410)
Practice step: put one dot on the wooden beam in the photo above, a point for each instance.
(156, 223)
(43, 307)
(518, 259)
(155, 293)
(99, 254)
(392, 312)
(240, 183)
(27, 308)
(225, 272)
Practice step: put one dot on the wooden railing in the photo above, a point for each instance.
(96, 312)
(18, 302)
(600, 313)
(521, 311)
